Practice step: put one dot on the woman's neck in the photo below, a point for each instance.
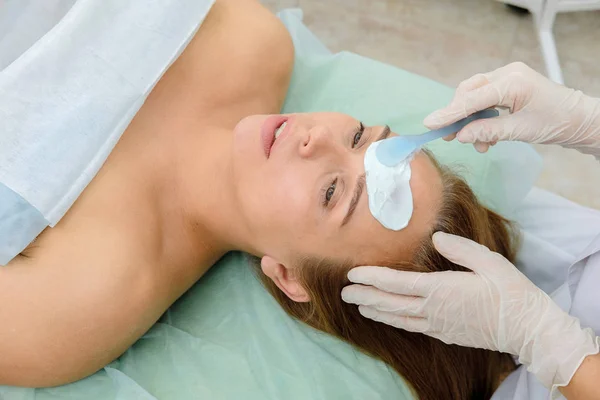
(202, 221)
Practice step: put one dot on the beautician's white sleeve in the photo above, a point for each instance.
(560, 254)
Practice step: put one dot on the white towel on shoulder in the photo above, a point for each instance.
(65, 101)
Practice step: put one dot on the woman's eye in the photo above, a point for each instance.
(358, 135)
(330, 192)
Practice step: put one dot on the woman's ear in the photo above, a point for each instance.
(285, 278)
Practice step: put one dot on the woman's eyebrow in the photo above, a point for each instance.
(384, 133)
(359, 188)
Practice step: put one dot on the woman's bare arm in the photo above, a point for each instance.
(63, 318)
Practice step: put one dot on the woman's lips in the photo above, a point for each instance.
(284, 133)
(268, 131)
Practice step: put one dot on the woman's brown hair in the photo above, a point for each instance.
(433, 369)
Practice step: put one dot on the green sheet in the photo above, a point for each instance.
(227, 338)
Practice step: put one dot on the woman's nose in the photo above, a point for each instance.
(316, 139)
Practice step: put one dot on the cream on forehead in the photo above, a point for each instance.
(388, 189)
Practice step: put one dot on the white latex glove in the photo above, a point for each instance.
(541, 111)
(494, 307)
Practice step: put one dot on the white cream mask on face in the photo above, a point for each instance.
(388, 189)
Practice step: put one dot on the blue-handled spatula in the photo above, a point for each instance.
(395, 149)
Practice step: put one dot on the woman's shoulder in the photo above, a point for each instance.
(247, 24)
(242, 52)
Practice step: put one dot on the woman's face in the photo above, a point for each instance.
(301, 194)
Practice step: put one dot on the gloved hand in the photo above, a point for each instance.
(494, 307)
(541, 111)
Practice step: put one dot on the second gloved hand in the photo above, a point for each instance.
(494, 307)
(541, 111)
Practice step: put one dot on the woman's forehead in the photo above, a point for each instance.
(426, 187)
